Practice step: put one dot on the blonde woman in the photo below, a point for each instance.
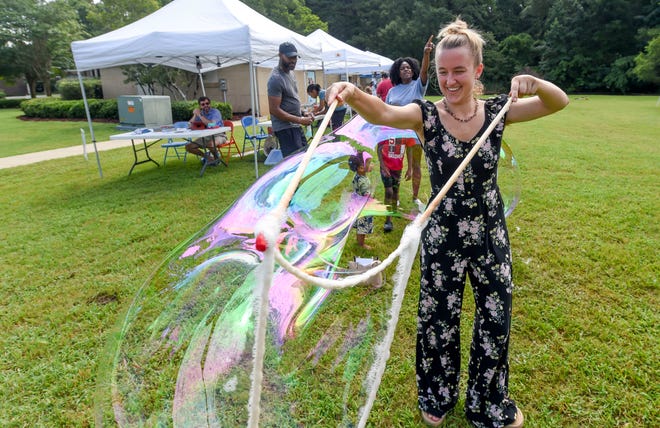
(467, 233)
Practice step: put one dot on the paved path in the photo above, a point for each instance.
(29, 158)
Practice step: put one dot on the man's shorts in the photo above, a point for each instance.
(393, 180)
(291, 140)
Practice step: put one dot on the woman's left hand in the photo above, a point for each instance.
(341, 91)
(523, 85)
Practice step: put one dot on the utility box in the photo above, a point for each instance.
(144, 111)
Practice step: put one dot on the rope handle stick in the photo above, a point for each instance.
(265, 242)
(293, 184)
(436, 201)
(279, 211)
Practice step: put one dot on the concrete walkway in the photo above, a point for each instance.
(30, 158)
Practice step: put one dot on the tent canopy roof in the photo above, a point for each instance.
(194, 35)
(340, 57)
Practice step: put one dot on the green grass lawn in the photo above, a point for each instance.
(585, 239)
(18, 137)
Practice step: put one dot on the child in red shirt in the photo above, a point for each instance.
(390, 154)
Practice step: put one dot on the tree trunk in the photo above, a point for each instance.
(47, 88)
(32, 83)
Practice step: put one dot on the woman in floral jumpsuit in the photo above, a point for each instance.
(466, 235)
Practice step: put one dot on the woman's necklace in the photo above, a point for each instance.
(467, 119)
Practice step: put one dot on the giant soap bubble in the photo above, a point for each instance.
(182, 353)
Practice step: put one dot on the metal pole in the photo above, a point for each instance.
(89, 122)
(201, 81)
(84, 143)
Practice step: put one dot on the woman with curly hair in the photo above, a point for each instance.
(410, 83)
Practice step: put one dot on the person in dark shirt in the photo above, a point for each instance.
(284, 103)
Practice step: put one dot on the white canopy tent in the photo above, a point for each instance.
(194, 35)
(340, 57)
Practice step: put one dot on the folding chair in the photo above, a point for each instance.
(176, 145)
(255, 139)
(229, 142)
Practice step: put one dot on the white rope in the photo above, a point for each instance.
(411, 236)
(338, 284)
(268, 228)
(264, 277)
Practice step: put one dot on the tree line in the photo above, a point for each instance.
(609, 46)
(582, 45)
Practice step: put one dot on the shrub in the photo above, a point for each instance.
(108, 110)
(69, 89)
(99, 109)
(2, 95)
(37, 107)
(77, 109)
(10, 102)
(71, 109)
(182, 110)
(225, 110)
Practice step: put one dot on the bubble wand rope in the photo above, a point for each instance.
(406, 250)
(376, 372)
(409, 241)
(267, 231)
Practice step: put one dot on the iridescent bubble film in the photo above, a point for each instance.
(182, 353)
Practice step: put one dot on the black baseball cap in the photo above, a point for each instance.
(289, 49)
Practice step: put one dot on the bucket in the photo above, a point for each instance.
(274, 157)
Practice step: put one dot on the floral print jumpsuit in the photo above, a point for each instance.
(466, 235)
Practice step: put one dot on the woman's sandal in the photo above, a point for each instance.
(518, 421)
(432, 420)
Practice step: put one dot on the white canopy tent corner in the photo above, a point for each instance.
(177, 35)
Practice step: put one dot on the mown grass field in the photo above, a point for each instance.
(585, 239)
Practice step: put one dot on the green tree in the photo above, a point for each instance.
(521, 51)
(350, 18)
(153, 79)
(35, 37)
(534, 16)
(647, 63)
(586, 38)
(109, 15)
(292, 14)
(498, 68)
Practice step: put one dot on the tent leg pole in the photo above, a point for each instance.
(201, 82)
(89, 122)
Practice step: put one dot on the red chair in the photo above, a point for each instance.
(229, 142)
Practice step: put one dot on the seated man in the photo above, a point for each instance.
(204, 115)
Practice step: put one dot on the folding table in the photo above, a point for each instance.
(150, 137)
